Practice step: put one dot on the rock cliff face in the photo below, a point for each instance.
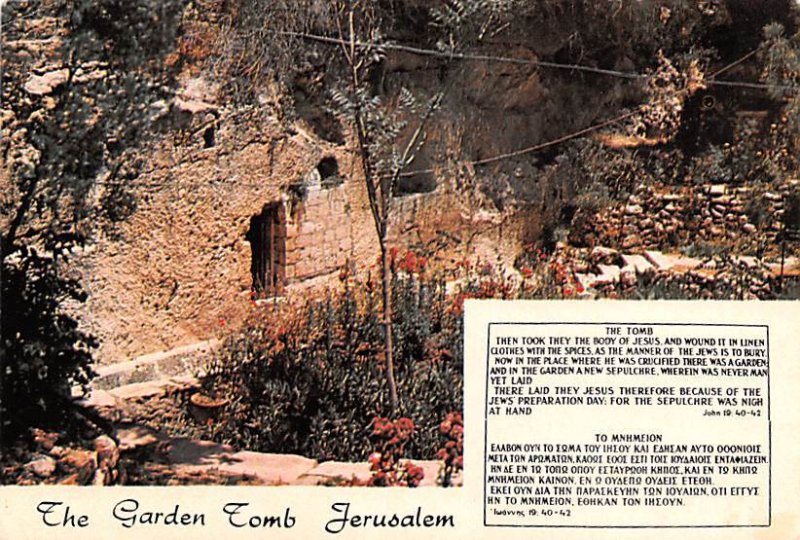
(235, 203)
(241, 200)
(182, 266)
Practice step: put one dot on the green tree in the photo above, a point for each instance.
(388, 132)
(82, 84)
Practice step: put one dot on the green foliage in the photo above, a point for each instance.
(390, 441)
(256, 47)
(748, 158)
(308, 379)
(703, 250)
(758, 210)
(791, 213)
(781, 61)
(613, 173)
(780, 57)
(452, 451)
(464, 22)
(596, 30)
(70, 165)
(43, 351)
(385, 122)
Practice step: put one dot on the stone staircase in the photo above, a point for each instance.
(149, 374)
(178, 362)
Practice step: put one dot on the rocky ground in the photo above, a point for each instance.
(137, 452)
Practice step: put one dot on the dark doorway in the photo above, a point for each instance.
(267, 237)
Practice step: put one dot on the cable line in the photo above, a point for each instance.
(711, 80)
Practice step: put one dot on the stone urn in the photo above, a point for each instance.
(206, 409)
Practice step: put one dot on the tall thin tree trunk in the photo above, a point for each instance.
(783, 254)
(388, 326)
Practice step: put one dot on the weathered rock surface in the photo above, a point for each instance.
(665, 217)
(41, 466)
(79, 466)
(133, 437)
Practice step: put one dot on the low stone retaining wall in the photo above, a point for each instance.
(654, 218)
(180, 362)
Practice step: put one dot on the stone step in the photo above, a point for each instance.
(671, 261)
(99, 398)
(791, 267)
(638, 262)
(178, 362)
(188, 456)
(132, 437)
(196, 457)
(587, 281)
(608, 273)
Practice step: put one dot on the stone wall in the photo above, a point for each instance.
(663, 217)
(322, 234)
(178, 270)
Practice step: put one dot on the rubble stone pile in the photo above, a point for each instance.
(655, 218)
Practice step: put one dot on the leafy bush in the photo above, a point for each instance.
(42, 351)
(309, 379)
(66, 170)
(391, 440)
(452, 452)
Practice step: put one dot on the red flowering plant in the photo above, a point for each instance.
(391, 439)
(411, 263)
(306, 376)
(549, 275)
(480, 280)
(565, 279)
(452, 453)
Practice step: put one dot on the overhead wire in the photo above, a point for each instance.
(392, 46)
(711, 80)
(586, 130)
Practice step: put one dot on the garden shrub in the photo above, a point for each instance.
(43, 352)
(391, 440)
(308, 378)
(452, 452)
